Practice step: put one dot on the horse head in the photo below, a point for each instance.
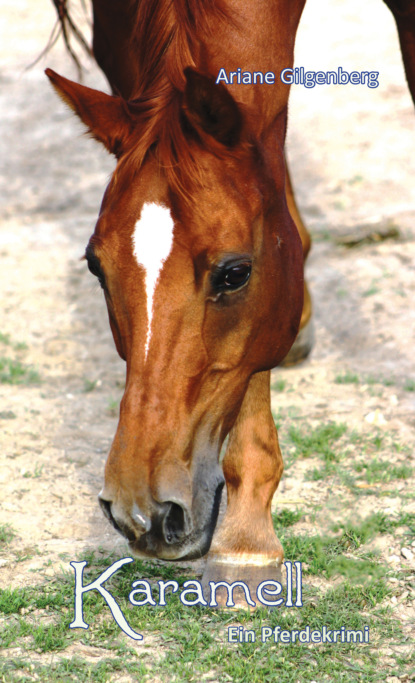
(201, 269)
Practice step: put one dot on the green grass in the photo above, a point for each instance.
(15, 372)
(7, 533)
(279, 385)
(5, 339)
(409, 385)
(373, 288)
(89, 385)
(330, 469)
(345, 583)
(190, 644)
(76, 669)
(385, 381)
(382, 471)
(342, 553)
(286, 518)
(347, 458)
(12, 601)
(347, 378)
(373, 471)
(7, 415)
(318, 441)
(113, 407)
(342, 293)
(325, 555)
(12, 370)
(368, 444)
(323, 235)
(355, 179)
(37, 472)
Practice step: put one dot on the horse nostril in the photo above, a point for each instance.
(106, 508)
(176, 524)
(118, 522)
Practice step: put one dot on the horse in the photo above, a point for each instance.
(199, 249)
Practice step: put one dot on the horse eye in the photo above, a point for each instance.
(231, 278)
(94, 266)
(237, 275)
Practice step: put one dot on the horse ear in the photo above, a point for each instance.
(210, 106)
(105, 116)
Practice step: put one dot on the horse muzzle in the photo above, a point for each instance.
(174, 530)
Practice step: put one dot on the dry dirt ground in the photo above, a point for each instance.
(352, 153)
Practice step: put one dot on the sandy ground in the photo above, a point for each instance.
(352, 153)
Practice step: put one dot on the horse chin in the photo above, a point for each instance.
(147, 549)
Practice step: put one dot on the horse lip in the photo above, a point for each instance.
(148, 548)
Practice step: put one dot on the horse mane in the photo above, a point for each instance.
(167, 34)
(165, 37)
(67, 26)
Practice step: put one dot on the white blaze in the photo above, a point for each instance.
(152, 243)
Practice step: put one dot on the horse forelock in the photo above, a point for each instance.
(181, 160)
